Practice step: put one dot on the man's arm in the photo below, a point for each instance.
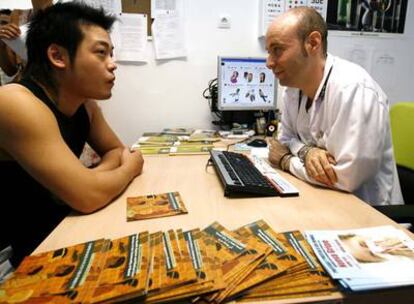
(324, 174)
(8, 62)
(30, 135)
(318, 163)
(357, 135)
(355, 141)
(104, 141)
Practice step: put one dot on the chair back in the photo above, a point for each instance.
(402, 128)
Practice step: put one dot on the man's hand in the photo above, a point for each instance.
(9, 31)
(133, 160)
(277, 151)
(318, 164)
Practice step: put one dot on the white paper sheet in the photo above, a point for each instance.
(169, 38)
(384, 70)
(130, 38)
(360, 55)
(166, 7)
(270, 9)
(18, 45)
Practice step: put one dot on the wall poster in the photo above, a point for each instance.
(367, 16)
(270, 9)
(370, 17)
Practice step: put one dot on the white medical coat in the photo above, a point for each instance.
(352, 123)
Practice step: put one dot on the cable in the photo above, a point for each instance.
(208, 164)
(211, 94)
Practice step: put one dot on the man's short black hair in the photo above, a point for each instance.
(60, 24)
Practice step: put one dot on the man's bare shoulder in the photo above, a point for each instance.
(21, 112)
(18, 100)
(13, 88)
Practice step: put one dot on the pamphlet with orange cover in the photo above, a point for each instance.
(124, 274)
(155, 205)
(59, 276)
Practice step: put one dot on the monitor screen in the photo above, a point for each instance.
(245, 84)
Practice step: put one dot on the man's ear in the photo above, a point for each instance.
(313, 43)
(58, 56)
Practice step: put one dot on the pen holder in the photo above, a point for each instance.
(260, 125)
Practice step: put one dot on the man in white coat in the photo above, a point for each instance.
(335, 129)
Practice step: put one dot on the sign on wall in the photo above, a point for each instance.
(270, 9)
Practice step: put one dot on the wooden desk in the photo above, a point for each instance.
(315, 208)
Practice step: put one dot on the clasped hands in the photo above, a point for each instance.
(318, 162)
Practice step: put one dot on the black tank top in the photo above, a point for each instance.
(30, 211)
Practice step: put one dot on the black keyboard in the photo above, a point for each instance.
(239, 175)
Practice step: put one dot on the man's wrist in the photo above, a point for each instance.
(303, 152)
(281, 159)
(284, 163)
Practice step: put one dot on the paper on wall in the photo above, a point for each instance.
(130, 38)
(166, 7)
(168, 36)
(384, 70)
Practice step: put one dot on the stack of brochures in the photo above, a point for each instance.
(204, 136)
(366, 259)
(210, 265)
(176, 141)
(155, 205)
(178, 131)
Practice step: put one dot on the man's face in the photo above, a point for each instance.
(286, 54)
(92, 71)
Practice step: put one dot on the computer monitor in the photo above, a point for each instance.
(245, 84)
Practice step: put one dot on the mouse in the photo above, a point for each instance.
(259, 143)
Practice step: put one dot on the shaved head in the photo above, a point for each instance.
(302, 21)
(296, 46)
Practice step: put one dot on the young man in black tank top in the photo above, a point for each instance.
(46, 120)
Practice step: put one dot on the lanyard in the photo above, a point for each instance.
(322, 93)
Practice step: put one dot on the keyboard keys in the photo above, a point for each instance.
(239, 175)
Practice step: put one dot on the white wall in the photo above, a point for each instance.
(15, 4)
(167, 94)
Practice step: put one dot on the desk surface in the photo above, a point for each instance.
(315, 208)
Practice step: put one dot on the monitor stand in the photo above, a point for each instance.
(241, 117)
